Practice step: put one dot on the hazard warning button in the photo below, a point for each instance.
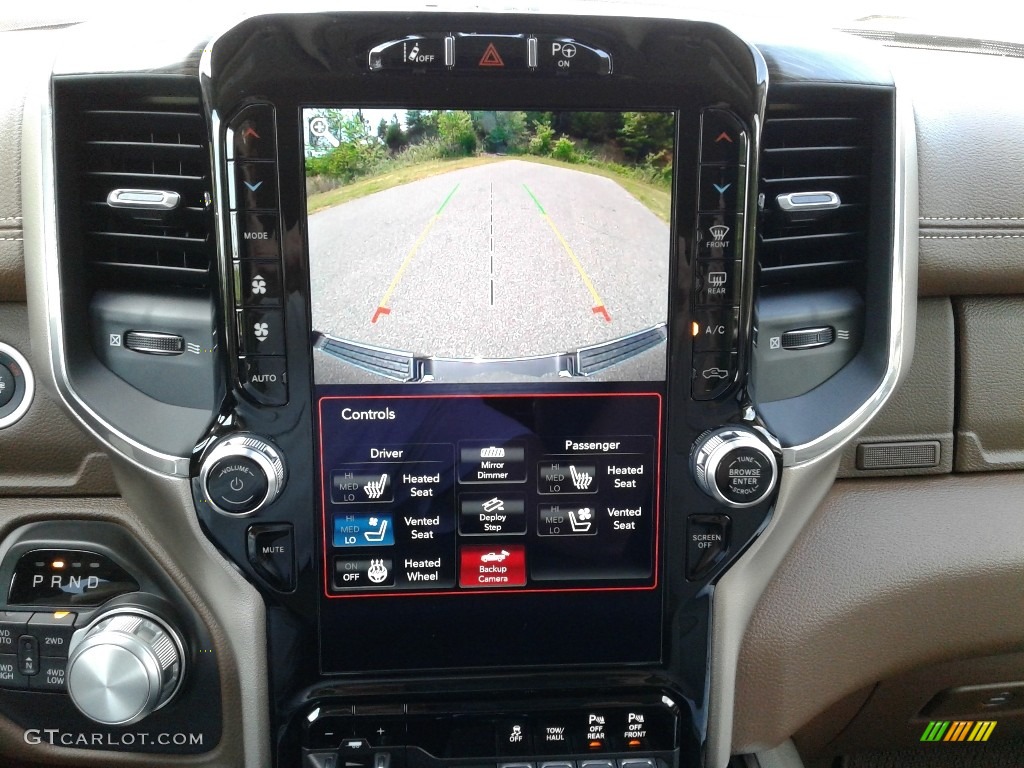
(491, 53)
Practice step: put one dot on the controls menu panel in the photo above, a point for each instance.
(489, 493)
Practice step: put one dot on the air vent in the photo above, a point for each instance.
(143, 181)
(815, 190)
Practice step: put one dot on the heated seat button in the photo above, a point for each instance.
(253, 133)
(412, 53)
(237, 484)
(271, 550)
(707, 542)
(491, 53)
(265, 379)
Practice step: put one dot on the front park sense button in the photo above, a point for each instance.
(271, 551)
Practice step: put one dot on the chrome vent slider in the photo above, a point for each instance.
(144, 199)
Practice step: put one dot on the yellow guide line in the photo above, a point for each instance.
(412, 252)
(579, 267)
(382, 307)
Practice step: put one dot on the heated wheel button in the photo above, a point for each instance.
(237, 484)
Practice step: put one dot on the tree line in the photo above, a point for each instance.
(637, 142)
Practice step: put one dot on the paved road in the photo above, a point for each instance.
(503, 260)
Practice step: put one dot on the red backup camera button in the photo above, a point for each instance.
(500, 565)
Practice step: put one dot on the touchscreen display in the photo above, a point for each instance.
(489, 296)
(475, 247)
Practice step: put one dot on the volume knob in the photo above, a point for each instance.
(733, 466)
(124, 666)
(242, 474)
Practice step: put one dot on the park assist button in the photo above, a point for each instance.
(487, 462)
(563, 54)
(415, 52)
(503, 565)
(491, 53)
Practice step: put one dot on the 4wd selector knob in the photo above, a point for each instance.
(242, 474)
(124, 666)
(733, 466)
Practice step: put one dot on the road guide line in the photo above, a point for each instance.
(598, 308)
(382, 307)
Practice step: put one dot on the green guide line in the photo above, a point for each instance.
(535, 201)
(447, 199)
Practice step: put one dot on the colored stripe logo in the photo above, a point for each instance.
(958, 730)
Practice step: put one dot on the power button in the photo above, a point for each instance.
(237, 484)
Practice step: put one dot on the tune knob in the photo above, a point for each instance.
(124, 666)
(734, 466)
(242, 474)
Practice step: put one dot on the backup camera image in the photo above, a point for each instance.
(485, 246)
